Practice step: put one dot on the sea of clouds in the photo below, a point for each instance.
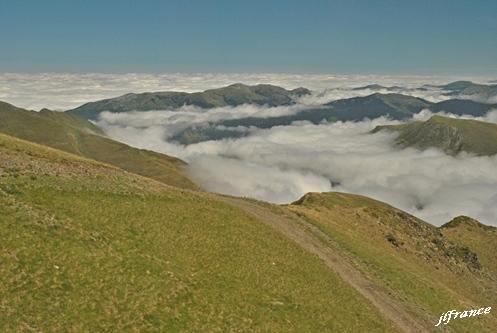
(283, 163)
(62, 91)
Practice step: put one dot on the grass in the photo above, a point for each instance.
(88, 247)
(407, 256)
(471, 233)
(78, 136)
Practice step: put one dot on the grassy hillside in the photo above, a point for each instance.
(233, 95)
(89, 247)
(448, 134)
(428, 269)
(75, 135)
(482, 238)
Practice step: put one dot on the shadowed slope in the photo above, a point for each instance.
(471, 233)
(75, 135)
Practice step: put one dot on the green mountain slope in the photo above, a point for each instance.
(424, 267)
(75, 135)
(89, 247)
(482, 238)
(448, 134)
(233, 95)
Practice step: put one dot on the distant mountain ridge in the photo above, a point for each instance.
(392, 105)
(377, 87)
(238, 93)
(468, 88)
(448, 134)
(233, 95)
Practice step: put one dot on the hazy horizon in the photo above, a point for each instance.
(62, 90)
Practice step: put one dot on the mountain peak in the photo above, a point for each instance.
(466, 221)
(374, 86)
(458, 84)
(439, 118)
(238, 85)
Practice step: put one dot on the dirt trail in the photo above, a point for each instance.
(315, 241)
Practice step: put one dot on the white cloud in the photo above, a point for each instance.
(174, 121)
(243, 178)
(327, 95)
(480, 98)
(490, 117)
(283, 163)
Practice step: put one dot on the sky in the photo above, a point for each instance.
(349, 37)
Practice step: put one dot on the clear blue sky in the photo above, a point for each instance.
(391, 37)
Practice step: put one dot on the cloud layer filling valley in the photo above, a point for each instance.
(283, 163)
